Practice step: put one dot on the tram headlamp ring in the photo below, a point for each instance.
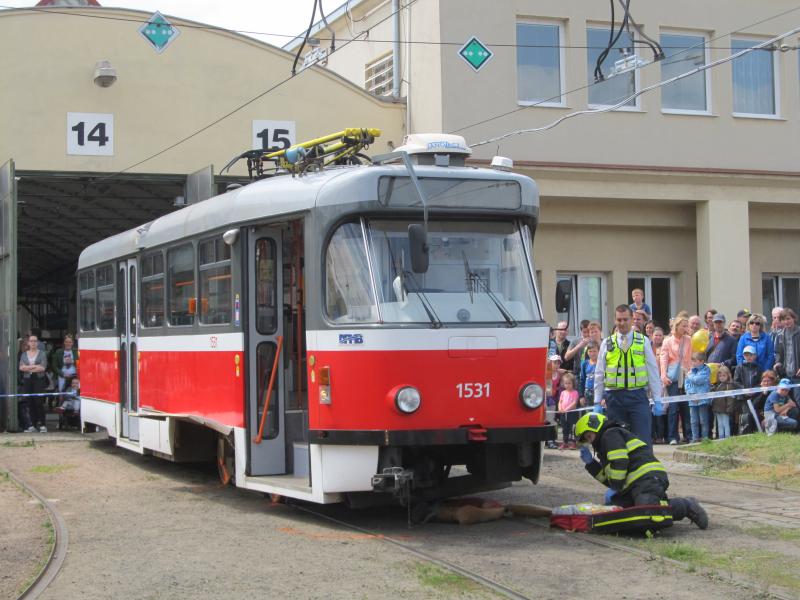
(407, 400)
(531, 395)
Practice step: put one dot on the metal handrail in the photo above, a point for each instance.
(260, 435)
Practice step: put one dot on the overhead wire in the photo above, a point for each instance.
(635, 95)
(558, 97)
(305, 39)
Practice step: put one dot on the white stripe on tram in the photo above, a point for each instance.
(208, 342)
(360, 339)
(109, 344)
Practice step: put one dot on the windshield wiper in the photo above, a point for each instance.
(474, 283)
(426, 303)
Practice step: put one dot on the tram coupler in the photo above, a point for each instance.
(393, 479)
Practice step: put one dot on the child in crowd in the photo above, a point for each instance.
(637, 295)
(586, 382)
(553, 375)
(698, 381)
(568, 400)
(725, 408)
(780, 411)
(747, 375)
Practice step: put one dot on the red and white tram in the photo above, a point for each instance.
(309, 295)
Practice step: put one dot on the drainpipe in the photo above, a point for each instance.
(396, 50)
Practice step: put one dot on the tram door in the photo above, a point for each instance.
(266, 425)
(128, 351)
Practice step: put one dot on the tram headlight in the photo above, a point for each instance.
(407, 399)
(531, 395)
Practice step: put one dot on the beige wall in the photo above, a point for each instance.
(159, 99)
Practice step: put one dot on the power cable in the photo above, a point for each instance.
(590, 84)
(635, 95)
(355, 37)
(305, 39)
(238, 108)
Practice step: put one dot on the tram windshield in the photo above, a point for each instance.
(478, 273)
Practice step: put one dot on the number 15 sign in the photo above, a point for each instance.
(90, 134)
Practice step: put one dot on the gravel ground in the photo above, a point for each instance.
(141, 527)
(23, 536)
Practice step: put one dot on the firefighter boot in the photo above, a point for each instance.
(696, 513)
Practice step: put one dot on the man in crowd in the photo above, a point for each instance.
(787, 349)
(775, 325)
(735, 329)
(709, 319)
(743, 316)
(721, 344)
(639, 320)
(626, 368)
(562, 344)
(576, 349)
(695, 324)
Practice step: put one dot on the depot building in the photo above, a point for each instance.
(116, 117)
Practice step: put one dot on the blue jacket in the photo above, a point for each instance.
(724, 352)
(765, 351)
(698, 381)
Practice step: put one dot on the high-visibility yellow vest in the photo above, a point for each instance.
(626, 370)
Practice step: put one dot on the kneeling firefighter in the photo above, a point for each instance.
(629, 469)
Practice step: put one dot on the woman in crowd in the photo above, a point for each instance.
(32, 365)
(660, 422)
(65, 361)
(675, 361)
(758, 338)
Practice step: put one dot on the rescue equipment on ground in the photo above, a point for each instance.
(597, 518)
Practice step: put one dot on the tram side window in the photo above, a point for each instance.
(182, 299)
(348, 291)
(86, 292)
(215, 282)
(153, 290)
(105, 298)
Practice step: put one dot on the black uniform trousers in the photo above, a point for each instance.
(651, 489)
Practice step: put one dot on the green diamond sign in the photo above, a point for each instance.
(475, 53)
(159, 32)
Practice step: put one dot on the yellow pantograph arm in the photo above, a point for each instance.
(350, 132)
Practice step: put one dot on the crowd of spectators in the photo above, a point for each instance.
(47, 379)
(743, 354)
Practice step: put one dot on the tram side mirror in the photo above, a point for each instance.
(418, 246)
(563, 296)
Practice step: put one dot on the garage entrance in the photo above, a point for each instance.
(47, 219)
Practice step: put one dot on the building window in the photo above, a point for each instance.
(659, 294)
(378, 76)
(152, 290)
(614, 90)
(539, 64)
(682, 54)
(105, 298)
(588, 299)
(780, 290)
(215, 281)
(754, 80)
(86, 293)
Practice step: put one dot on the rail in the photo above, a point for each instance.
(260, 435)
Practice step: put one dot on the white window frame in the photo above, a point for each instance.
(776, 87)
(637, 107)
(707, 58)
(777, 288)
(574, 317)
(648, 289)
(370, 88)
(562, 70)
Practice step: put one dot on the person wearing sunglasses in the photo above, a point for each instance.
(760, 340)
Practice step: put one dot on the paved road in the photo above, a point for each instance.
(141, 527)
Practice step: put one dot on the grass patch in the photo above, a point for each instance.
(771, 532)
(785, 476)
(763, 567)
(50, 469)
(781, 448)
(445, 581)
(13, 444)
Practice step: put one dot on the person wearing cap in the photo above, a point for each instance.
(627, 466)
(721, 344)
(626, 368)
(742, 316)
(787, 348)
(756, 337)
(780, 411)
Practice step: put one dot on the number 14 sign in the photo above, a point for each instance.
(90, 134)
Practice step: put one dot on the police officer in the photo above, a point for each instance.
(627, 466)
(626, 367)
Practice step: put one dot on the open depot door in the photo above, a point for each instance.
(8, 297)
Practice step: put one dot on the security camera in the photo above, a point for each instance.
(104, 74)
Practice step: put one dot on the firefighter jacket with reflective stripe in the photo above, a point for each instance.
(623, 458)
(626, 370)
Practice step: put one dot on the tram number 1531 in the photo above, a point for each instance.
(473, 390)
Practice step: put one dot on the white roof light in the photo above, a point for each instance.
(434, 143)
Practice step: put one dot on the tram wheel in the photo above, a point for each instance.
(226, 462)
